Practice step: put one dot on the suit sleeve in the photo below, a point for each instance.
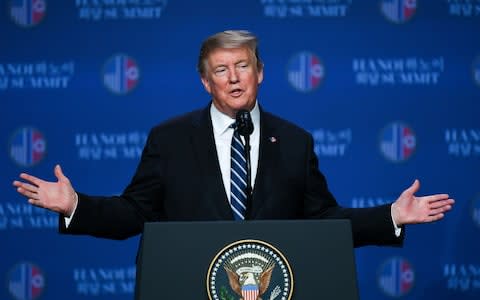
(370, 226)
(120, 217)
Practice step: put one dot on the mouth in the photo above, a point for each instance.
(236, 93)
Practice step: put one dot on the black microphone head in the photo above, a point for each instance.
(244, 122)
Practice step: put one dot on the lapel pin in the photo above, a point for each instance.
(272, 139)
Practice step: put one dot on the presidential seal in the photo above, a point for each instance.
(249, 270)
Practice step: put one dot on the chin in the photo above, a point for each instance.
(243, 105)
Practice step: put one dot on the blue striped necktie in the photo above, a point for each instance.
(238, 177)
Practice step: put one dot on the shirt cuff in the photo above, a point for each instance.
(69, 219)
(398, 230)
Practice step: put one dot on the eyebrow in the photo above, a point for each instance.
(236, 63)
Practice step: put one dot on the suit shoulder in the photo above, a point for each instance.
(178, 124)
(285, 125)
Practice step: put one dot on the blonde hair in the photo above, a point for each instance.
(228, 39)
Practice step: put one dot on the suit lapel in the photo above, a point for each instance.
(203, 143)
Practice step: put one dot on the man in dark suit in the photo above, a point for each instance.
(185, 170)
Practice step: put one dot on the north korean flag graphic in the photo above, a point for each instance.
(28, 146)
(305, 71)
(399, 11)
(26, 281)
(28, 12)
(396, 277)
(121, 74)
(398, 142)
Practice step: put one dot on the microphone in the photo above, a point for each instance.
(244, 123)
(245, 129)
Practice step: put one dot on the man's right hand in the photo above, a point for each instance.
(55, 196)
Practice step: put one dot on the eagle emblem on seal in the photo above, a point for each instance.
(249, 270)
(250, 282)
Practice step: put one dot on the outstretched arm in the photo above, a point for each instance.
(55, 196)
(410, 209)
(115, 217)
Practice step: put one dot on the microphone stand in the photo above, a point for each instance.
(249, 175)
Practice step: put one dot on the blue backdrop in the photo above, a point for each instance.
(389, 89)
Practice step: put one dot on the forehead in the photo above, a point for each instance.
(222, 56)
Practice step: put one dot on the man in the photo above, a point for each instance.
(185, 169)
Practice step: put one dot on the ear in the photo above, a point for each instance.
(206, 84)
(260, 76)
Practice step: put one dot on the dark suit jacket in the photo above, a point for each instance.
(179, 179)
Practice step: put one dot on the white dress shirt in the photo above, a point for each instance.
(223, 134)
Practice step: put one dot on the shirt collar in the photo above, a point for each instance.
(221, 122)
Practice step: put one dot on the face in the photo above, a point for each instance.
(232, 78)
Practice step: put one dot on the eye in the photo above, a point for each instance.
(220, 71)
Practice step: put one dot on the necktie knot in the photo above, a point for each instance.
(234, 126)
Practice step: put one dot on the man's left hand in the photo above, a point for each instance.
(410, 209)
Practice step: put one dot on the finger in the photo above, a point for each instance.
(440, 210)
(438, 204)
(41, 204)
(59, 173)
(27, 193)
(17, 183)
(413, 188)
(35, 202)
(433, 198)
(26, 186)
(22, 191)
(434, 218)
(35, 180)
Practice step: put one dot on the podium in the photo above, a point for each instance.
(311, 259)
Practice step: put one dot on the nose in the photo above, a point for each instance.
(233, 76)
